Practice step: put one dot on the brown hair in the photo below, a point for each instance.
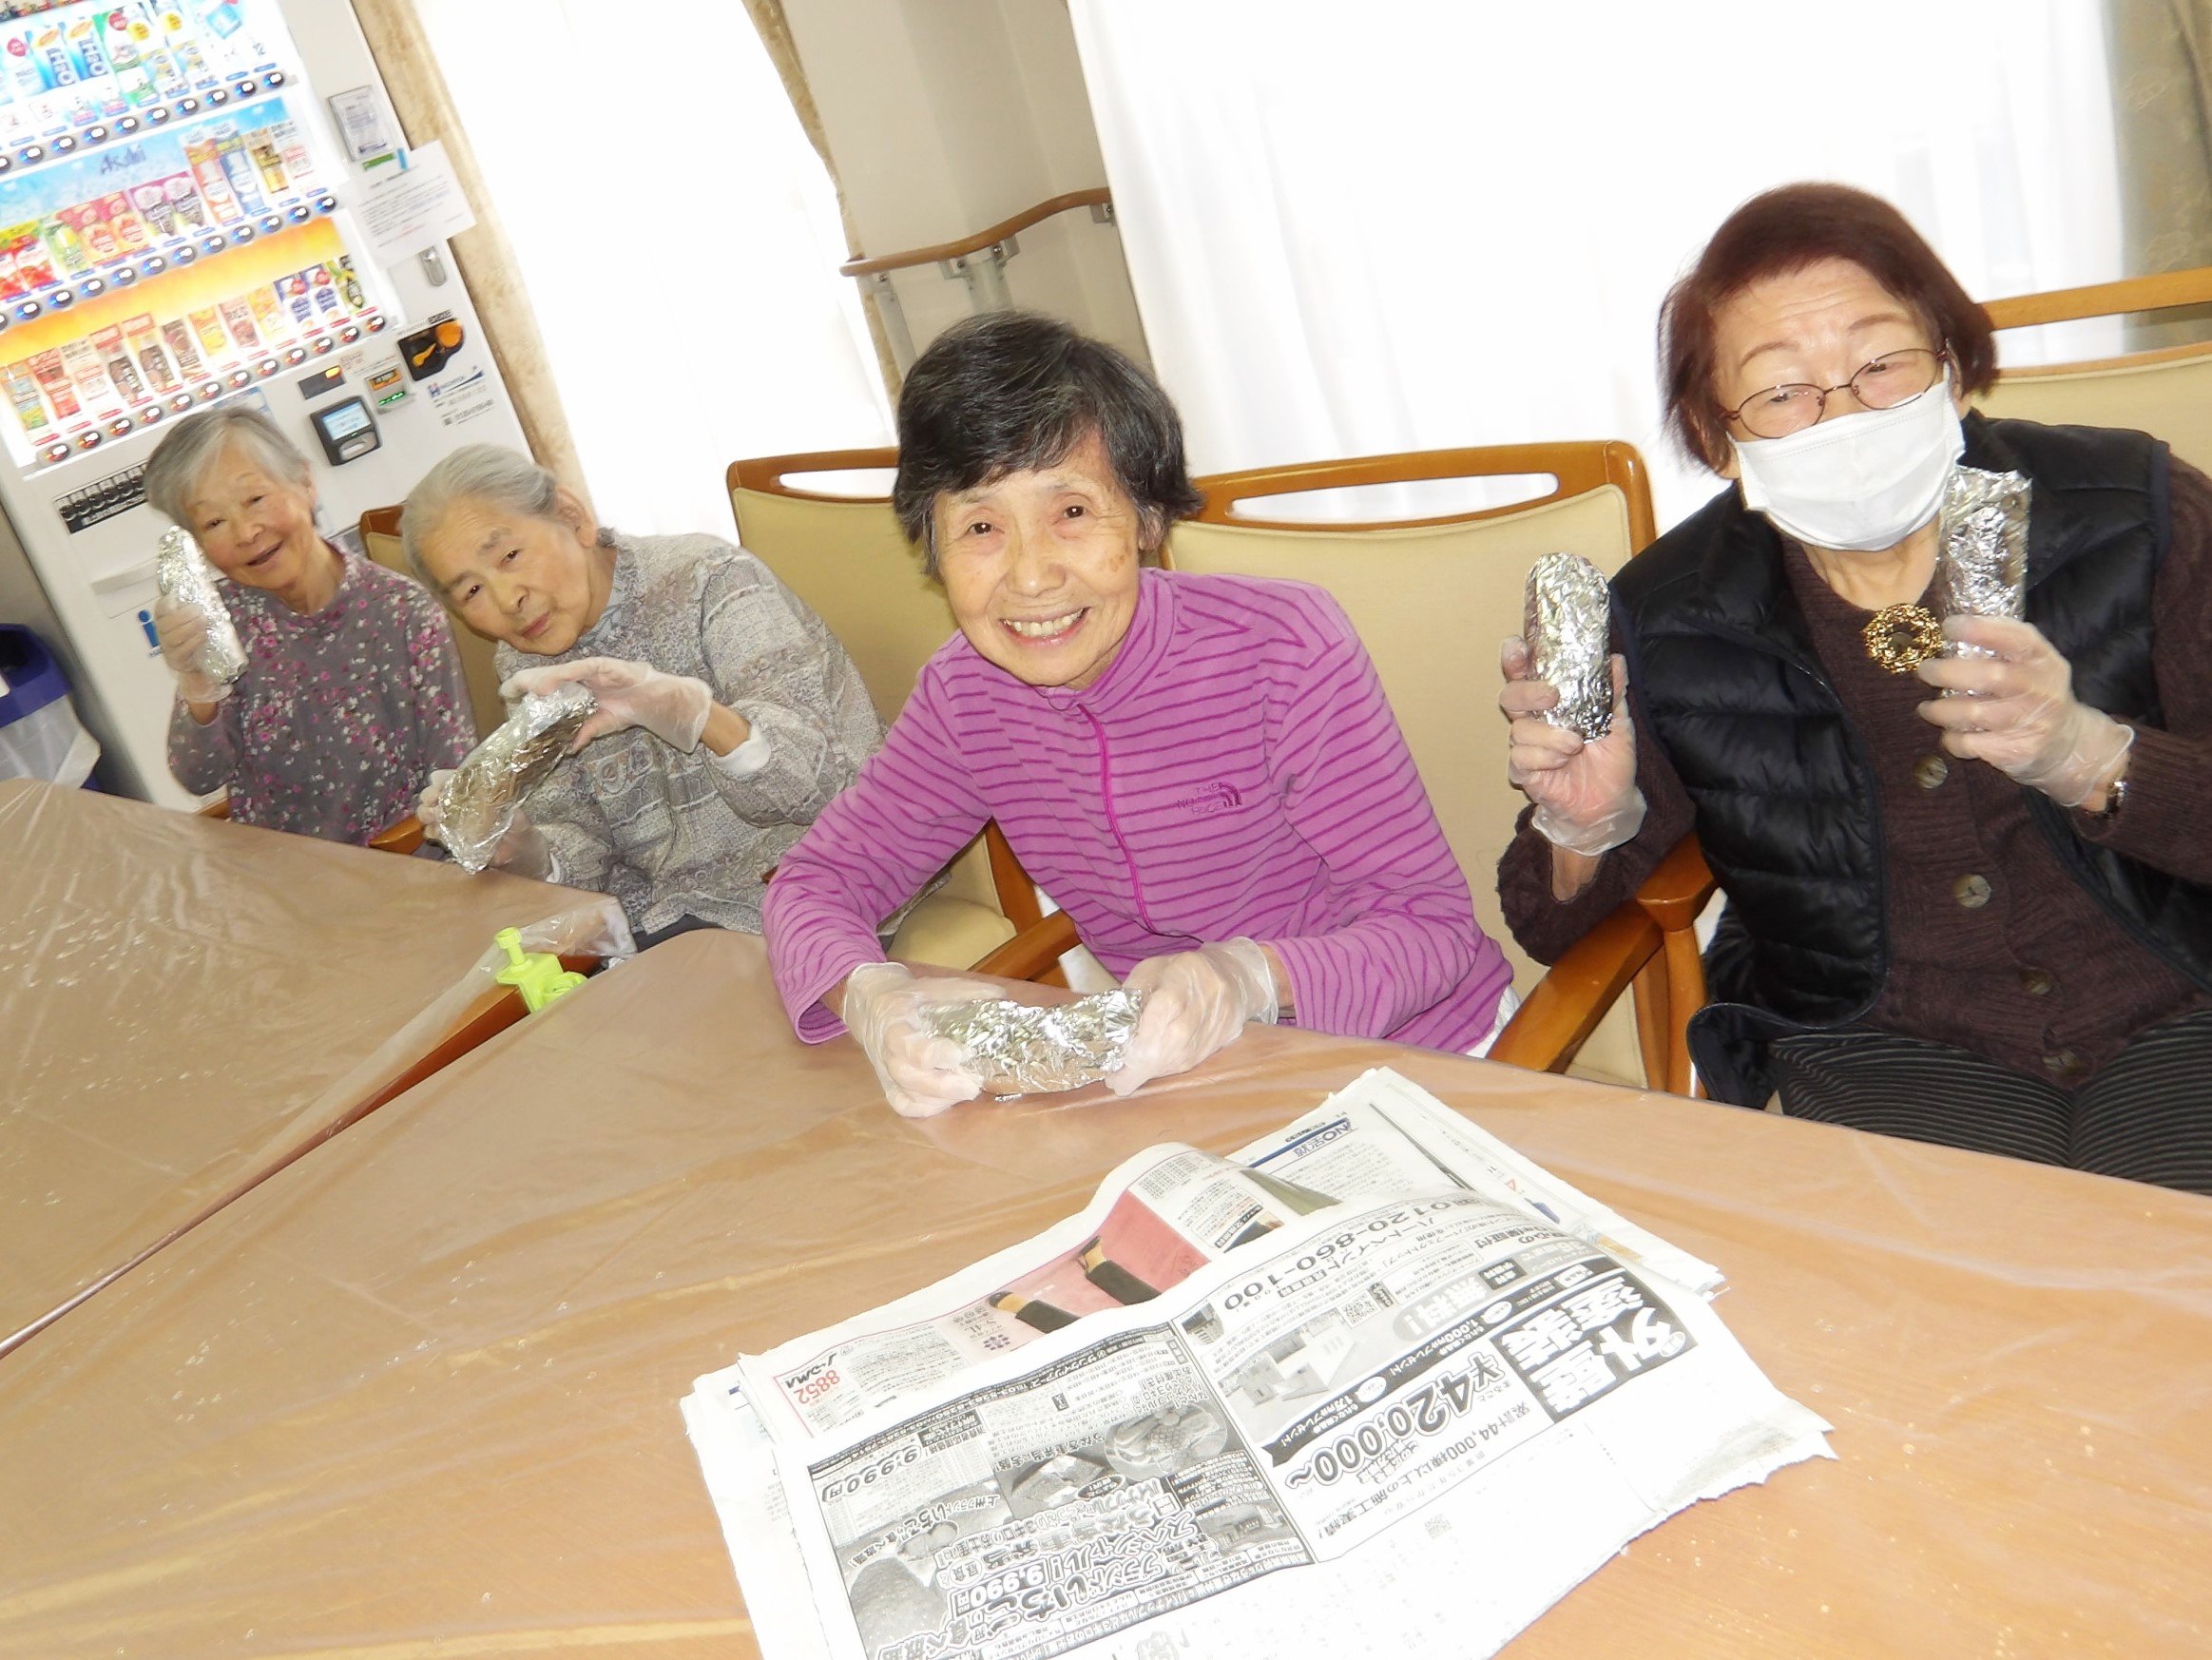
(1785, 230)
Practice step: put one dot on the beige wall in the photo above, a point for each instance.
(948, 116)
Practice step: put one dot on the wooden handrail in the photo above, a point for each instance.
(858, 266)
(764, 474)
(2154, 293)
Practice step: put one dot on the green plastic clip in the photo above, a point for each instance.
(537, 974)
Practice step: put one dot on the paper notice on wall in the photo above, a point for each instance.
(406, 212)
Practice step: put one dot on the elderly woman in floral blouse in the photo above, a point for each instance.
(728, 713)
(352, 690)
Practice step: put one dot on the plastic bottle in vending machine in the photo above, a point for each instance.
(237, 317)
(230, 146)
(293, 292)
(326, 294)
(155, 207)
(145, 35)
(92, 226)
(92, 59)
(115, 358)
(263, 149)
(183, 194)
(182, 40)
(212, 339)
(22, 394)
(268, 310)
(68, 247)
(122, 219)
(144, 341)
(349, 285)
(177, 333)
(120, 36)
(208, 173)
(25, 79)
(33, 260)
(292, 149)
(54, 380)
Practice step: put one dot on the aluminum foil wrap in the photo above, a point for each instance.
(1019, 1049)
(188, 581)
(488, 788)
(1567, 628)
(1982, 570)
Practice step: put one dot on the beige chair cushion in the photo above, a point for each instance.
(1432, 605)
(476, 670)
(2167, 394)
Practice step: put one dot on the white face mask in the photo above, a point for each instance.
(1859, 483)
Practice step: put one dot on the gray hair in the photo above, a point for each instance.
(195, 444)
(482, 472)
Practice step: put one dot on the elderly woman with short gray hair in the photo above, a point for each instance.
(351, 691)
(728, 714)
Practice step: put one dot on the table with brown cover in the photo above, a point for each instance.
(417, 1395)
(186, 1002)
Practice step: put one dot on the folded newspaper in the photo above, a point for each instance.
(1377, 1347)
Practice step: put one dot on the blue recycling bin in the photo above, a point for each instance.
(40, 734)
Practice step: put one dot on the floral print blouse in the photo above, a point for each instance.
(340, 714)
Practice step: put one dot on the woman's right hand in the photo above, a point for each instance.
(183, 630)
(921, 1074)
(1585, 794)
(521, 850)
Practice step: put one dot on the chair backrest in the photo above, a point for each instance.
(1432, 598)
(844, 555)
(2167, 392)
(381, 539)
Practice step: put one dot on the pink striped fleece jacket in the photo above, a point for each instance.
(1237, 770)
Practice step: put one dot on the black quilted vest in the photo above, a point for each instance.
(1787, 808)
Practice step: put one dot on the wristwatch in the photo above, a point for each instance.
(2115, 793)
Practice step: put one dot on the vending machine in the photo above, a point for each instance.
(185, 195)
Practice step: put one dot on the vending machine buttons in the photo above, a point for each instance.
(6, 162)
(181, 402)
(240, 377)
(207, 391)
(128, 124)
(88, 439)
(29, 309)
(274, 78)
(323, 343)
(32, 153)
(246, 88)
(57, 452)
(349, 334)
(212, 242)
(184, 253)
(326, 203)
(64, 144)
(157, 114)
(218, 95)
(186, 105)
(240, 233)
(267, 366)
(61, 298)
(125, 276)
(296, 355)
(149, 414)
(90, 286)
(120, 425)
(376, 323)
(153, 265)
(299, 212)
(273, 224)
(95, 135)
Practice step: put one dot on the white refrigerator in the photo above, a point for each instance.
(186, 197)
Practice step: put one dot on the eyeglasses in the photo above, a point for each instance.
(1893, 378)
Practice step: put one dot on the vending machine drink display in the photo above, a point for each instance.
(179, 224)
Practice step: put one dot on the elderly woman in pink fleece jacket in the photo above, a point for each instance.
(1202, 770)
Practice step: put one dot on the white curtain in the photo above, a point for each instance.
(679, 237)
(1407, 224)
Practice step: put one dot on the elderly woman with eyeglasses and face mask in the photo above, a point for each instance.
(1970, 898)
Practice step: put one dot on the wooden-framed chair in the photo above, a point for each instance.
(2165, 392)
(1429, 595)
(380, 541)
(841, 550)
(404, 836)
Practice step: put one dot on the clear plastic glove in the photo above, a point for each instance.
(1586, 794)
(182, 631)
(921, 1074)
(2016, 710)
(673, 707)
(522, 850)
(1195, 1002)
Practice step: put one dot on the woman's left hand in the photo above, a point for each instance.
(673, 707)
(2016, 710)
(1194, 1003)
